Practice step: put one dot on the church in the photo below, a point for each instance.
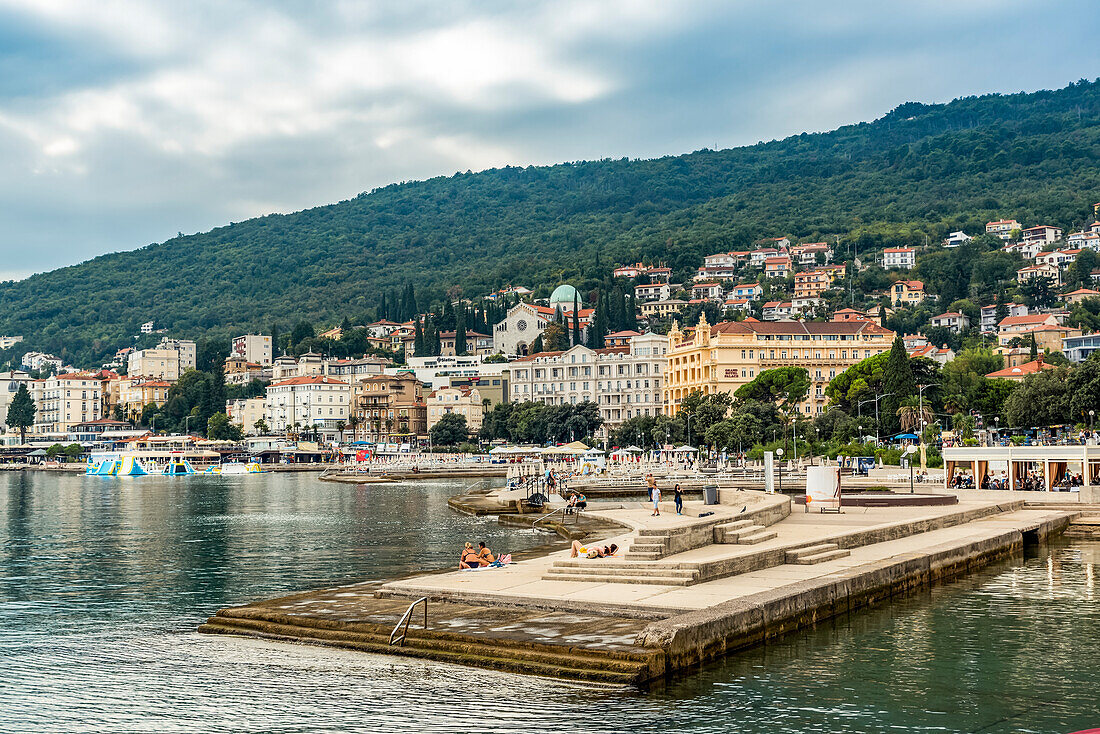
(526, 321)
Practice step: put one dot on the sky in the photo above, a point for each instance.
(123, 123)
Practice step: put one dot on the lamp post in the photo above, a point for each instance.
(1092, 416)
(997, 427)
(910, 450)
(875, 400)
(779, 453)
(187, 423)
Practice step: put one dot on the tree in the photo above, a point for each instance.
(1038, 291)
(555, 338)
(460, 329)
(1041, 400)
(74, 451)
(449, 430)
(1034, 353)
(220, 428)
(898, 385)
(341, 426)
(1001, 311)
(21, 412)
(261, 426)
(576, 338)
(418, 340)
(787, 386)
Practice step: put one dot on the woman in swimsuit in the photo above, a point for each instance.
(469, 558)
(595, 551)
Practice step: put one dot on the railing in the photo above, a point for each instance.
(396, 639)
(564, 512)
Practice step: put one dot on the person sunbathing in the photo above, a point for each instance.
(595, 551)
(469, 557)
(484, 555)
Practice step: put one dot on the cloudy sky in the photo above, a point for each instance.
(123, 123)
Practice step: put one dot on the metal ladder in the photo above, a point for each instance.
(396, 639)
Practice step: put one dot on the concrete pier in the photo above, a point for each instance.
(681, 590)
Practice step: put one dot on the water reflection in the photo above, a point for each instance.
(102, 583)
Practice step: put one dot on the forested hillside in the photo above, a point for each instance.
(907, 178)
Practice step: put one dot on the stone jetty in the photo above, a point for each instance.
(681, 590)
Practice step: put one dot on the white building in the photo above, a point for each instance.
(652, 292)
(952, 320)
(246, 412)
(63, 401)
(40, 361)
(437, 372)
(166, 361)
(9, 385)
(7, 342)
(253, 348)
(464, 401)
(956, 238)
(308, 402)
(1043, 234)
(311, 363)
(989, 315)
(624, 381)
(902, 258)
(147, 327)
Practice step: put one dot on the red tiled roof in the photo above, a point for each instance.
(752, 326)
(1028, 368)
(1033, 318)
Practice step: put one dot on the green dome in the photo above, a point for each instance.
(563, 296)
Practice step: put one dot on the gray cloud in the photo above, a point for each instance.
(122, 122)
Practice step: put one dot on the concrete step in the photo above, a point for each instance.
(639, 556)
(612, 563)
(609, 577)
(549, 660)
(757, 537)
(736, 525)
(654, 533)
(616, 570)
(647, 547)
(809, 550)
(821, 557)
(747, 534)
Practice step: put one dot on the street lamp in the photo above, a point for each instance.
(779, 453)
(910, 450)
(1092, 416)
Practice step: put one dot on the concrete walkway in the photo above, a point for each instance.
(522, 583)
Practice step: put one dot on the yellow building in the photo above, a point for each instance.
(723, 357)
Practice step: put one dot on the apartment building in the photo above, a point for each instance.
(652, 292)
(1002, 228)
(623, 381)
(246, 412)
(1043, 234)
(463, 401)
(62, 401)
(252, 348)
(727, 355)
(306, 402)
(812, 283)
(899, 258)
(906, 293)
(390, 409)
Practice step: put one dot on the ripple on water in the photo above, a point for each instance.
(102, 585)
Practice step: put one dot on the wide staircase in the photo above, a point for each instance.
(532, 658)
(648, 560)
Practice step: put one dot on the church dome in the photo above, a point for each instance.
(563, 296)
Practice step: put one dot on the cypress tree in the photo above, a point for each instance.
(383, 309)
(460, 329)
(1002, 310)
(631, 313)
(898, 385)
(1034, 355)
(576, 320)
(418, 340)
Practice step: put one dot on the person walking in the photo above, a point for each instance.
(678, 496)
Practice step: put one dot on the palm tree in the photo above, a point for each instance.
(912, 417)
(340, 426)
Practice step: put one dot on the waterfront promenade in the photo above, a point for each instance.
(682, 589)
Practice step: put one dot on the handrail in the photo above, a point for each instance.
(405, 620)
(552, 512)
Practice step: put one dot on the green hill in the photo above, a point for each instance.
(908, 177)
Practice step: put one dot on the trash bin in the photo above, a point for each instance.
(710, 494)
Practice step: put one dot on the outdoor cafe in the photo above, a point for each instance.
(1022, 468)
